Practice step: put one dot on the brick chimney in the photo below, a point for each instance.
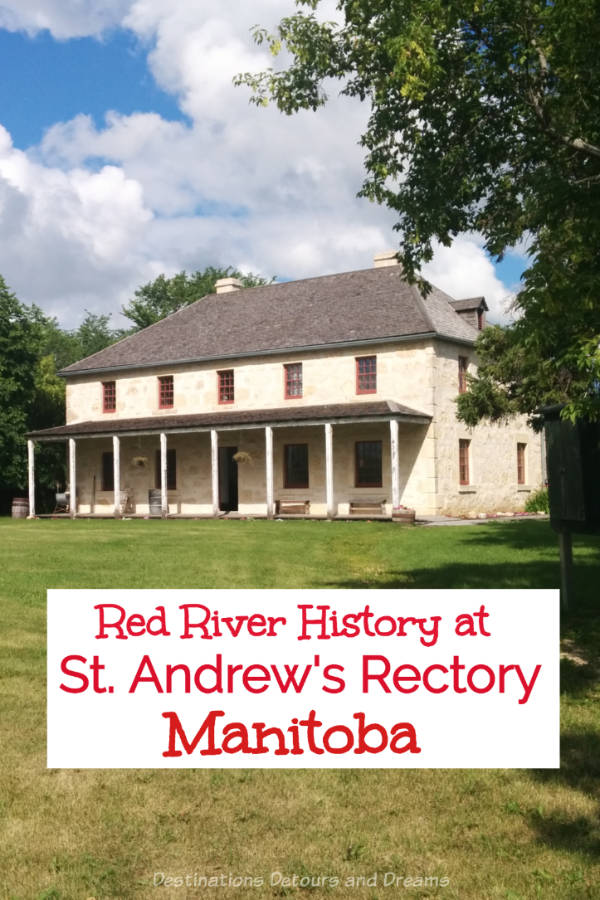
(387, 258)
(228, 285)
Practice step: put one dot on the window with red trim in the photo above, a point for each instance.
(368, 463)
(293, 380)
(109, 396)
(226, 386)
(165, 391)
(366, 374)
(463, 461)
(463, 363)
(295, 465)
(480, 319)
(521, 450)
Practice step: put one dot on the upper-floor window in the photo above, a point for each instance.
(368, 463)
(165, 391)
(463, 363)
(366, 374)
(109, 396)
(226, 386)
(464, 447)
(480, 319)
(295, 466)
(521, 460)
(292, 373)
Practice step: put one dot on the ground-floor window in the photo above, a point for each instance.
(171, 470)
(295, 467)
(463, 461)
(521, 449)
(108, 471)
(368, 463)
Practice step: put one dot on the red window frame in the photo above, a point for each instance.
(464, 474)
(292, 381)
(521, 451)
(287, 481)
(463, 364)
(358, 449)
(166, 392)
(366, 374)
(109, 396)
(225, 386)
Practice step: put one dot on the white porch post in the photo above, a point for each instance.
(72, 478)
(164, 503)
(395, 461)
(117, 475)
(329, 468)
(214, 470)
(269, 469)
(31, 477)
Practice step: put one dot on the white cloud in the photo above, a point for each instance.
(463, 270)
(93, 212)
(63, 18)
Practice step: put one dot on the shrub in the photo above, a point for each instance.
(538, 502)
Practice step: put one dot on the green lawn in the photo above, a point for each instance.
(103, 834)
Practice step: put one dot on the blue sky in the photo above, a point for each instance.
(45, 81)
(125, 151)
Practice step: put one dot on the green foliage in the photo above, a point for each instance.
(538, 502)
(163, 296)
(34, 348)
(20, 342)
(484, 117)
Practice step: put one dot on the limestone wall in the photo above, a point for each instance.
(404, 374)
(493, 449)
(193, 493)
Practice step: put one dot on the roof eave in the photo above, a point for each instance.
(276, 351)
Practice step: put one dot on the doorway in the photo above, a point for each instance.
(228, 479)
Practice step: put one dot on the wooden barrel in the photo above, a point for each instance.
(20, 508)
(154, 502)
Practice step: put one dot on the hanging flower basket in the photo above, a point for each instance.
(242, 456)
(139, 462)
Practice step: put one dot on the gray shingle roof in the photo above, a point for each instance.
(368, 305)
(470, 303)
(373, 409)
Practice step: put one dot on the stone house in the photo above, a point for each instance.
(329, 396)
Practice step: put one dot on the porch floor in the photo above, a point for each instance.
(226, 515)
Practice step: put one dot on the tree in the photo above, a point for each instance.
(163, 296)
(20, 341)
(485, 116)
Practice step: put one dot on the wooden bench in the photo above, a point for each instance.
(292, 507)
(367, 507)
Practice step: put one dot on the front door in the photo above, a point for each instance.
(228, 479)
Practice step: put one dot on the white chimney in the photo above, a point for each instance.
(227, 285)
(387, 258)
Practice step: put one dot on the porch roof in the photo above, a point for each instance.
(299, 415)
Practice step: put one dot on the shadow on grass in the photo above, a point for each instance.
(580, 771)
(581, 623)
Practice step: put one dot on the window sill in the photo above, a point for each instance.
(525, 488)
(467, 489)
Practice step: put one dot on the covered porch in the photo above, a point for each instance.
(348, 460)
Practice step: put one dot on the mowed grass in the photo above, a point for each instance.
(103, 834)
